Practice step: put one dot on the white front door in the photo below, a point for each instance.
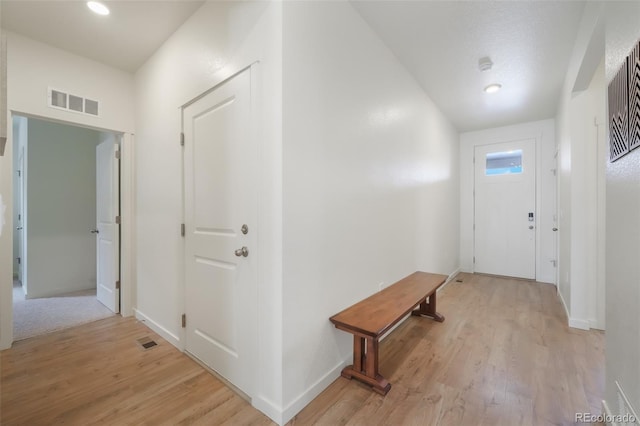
(107, 230)
(220, 162)
(505, 209)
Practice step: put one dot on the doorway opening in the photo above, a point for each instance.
(64, 191)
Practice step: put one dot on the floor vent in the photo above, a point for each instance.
(146, 343)
(61, 100)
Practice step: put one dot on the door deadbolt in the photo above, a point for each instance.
(242, 252)
(244, 229)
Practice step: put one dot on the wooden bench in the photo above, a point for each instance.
(371, 318)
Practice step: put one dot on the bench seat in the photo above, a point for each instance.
(371, 318)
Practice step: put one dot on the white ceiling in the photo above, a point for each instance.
(439, 42)
(125, 39)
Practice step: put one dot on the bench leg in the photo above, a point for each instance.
(365, 365)
(428, 309)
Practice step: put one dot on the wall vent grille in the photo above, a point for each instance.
(66, 101)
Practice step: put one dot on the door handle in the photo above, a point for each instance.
(19, 228)
(95, 231)
(242, 252)
(554, 229)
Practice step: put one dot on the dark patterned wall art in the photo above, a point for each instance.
(618, 114)
(624, 107)
(633, 64)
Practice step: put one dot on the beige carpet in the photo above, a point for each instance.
(34, 317)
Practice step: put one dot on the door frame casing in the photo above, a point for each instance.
(127, 227)
(544, 133)
(21, 210)
(255, 126)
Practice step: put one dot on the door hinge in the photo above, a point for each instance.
(474, 259)
(184, 320)
(117, 154)
(182, 229)
(118, 285)
(474, 226)
(117, 220)
(19, 173)
(181, 139)
(18, 260)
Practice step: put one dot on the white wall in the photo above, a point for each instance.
(623, 231)
(220, 39)
(61, 194)
(32, 68)
(370, 184)
(586, 109)
(580, 108)
(6, 216)
(543, 133)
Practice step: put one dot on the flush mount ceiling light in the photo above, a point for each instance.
(97, 7)
(492, 88)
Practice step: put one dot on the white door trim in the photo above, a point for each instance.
(128, 229)
(544, 133)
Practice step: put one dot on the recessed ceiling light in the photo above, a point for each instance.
(493, 88)
(97, 7)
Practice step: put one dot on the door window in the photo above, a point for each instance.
(503, 163)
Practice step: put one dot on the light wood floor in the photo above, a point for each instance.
(98, 374)
(504, 356)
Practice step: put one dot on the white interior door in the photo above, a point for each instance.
(220, 159)
(505, 209)
(107, 229)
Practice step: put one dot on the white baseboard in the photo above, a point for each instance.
(607, 414)
(579, 324)
(163, 332)
(269, 408)
(595, 324)
(312, 391)
(566, 310)
(573, 322)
